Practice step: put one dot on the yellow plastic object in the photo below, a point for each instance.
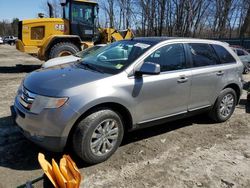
(47, 168)
(71, 182)
(74, 170)
(65, 176)
(59, 177)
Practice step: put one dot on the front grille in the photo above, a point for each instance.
(26, 98)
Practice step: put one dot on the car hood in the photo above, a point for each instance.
(60, 61)
(55, 81)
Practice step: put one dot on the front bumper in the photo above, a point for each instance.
(49, 129)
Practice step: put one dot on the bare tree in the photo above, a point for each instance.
(108, 8)
(246, 24)
(57, 9)
(9, 28)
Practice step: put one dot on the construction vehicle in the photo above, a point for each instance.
(54, 37)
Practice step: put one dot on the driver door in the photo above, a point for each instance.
(166, 94)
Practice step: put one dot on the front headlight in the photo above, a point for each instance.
(42, 102)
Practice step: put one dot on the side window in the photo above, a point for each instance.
(202, 55)
(224, 55)
(240, 53)
(169, 57)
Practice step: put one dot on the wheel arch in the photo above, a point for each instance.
(118, 108)
(236, 88)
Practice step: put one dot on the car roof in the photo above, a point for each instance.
(155, 40)
(236, 48)
(152, 40)
(101, 45)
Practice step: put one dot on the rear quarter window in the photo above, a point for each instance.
(223, 54)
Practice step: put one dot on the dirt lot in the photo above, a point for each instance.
(193, 152)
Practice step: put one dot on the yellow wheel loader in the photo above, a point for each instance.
(53, 37)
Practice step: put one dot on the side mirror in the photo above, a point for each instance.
(148, 68)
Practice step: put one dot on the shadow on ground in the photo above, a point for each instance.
(156, 130)
(18, 153)
(15, 150)
(19, 68)
(165, 128)
(246, 85)
(244, 104)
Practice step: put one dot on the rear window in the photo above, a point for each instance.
(223, 54)
(202, 55)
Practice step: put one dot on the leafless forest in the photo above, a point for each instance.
(187, 18)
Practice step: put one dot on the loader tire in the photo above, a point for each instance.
(63, 49)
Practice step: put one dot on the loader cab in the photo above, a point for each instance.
(82, 16)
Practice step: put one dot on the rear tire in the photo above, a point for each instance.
(98, 136)
(224, 105)
(63, 49)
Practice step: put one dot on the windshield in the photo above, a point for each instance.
(84, 53)
(115, 57)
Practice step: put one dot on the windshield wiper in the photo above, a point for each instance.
(90, 66)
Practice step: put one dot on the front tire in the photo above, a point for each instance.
(224, 105)
(63, 49)
(98, 136)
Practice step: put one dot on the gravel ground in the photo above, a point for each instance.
(194, 152)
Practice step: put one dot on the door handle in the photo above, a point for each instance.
(219, 73)
(182, 79)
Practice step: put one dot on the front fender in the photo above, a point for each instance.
(92, 104)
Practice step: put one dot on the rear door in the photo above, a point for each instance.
(207, 75)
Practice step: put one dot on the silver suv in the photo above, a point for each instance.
(124, 86)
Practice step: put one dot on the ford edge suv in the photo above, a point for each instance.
(124, 86)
